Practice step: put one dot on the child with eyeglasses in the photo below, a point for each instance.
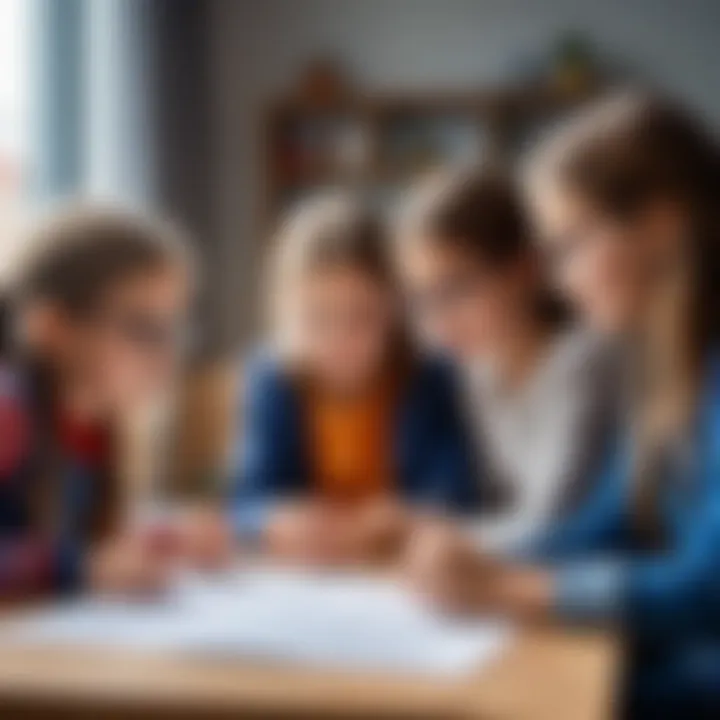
(92, 321)
(536, 386)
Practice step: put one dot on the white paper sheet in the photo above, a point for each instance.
(342, 621)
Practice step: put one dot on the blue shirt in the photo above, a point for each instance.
(667, 601)
(431, 451)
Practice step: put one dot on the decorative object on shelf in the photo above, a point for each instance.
(324, 82)
(574, 68)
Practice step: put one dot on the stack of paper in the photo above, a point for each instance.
(328, 620)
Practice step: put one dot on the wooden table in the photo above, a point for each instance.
(542, 676)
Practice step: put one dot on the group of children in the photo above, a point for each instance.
(513, 389)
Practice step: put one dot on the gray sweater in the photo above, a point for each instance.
(541, 446)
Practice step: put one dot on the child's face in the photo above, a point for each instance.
(125, 351)
(458, 304)
(343, 321)
(609, 268)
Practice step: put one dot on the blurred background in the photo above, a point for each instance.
(222, 113)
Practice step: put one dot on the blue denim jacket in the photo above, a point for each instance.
(432, 454)
(667, 601)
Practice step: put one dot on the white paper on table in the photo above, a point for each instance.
(342, 621)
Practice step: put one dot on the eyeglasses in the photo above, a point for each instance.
(149, 333)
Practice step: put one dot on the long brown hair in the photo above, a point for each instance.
(71, 260)
(336, 230)
(479, 210)
(622, 153)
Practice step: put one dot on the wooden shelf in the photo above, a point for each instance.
(373, 141)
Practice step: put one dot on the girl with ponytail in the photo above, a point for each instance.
(626, 199)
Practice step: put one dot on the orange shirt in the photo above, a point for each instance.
(350, 442)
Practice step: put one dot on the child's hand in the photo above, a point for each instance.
(445, 569)
(197, 536)
(318, 533)
(123, 567)
(205, 538)
(311, 533)
(382, 527)
(296, 531)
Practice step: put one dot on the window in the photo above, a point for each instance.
(14, 92)
(15, 120)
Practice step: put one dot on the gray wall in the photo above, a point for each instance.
(259, 46)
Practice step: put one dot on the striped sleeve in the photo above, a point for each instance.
(30, 564)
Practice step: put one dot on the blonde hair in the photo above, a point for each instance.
(327, 232)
